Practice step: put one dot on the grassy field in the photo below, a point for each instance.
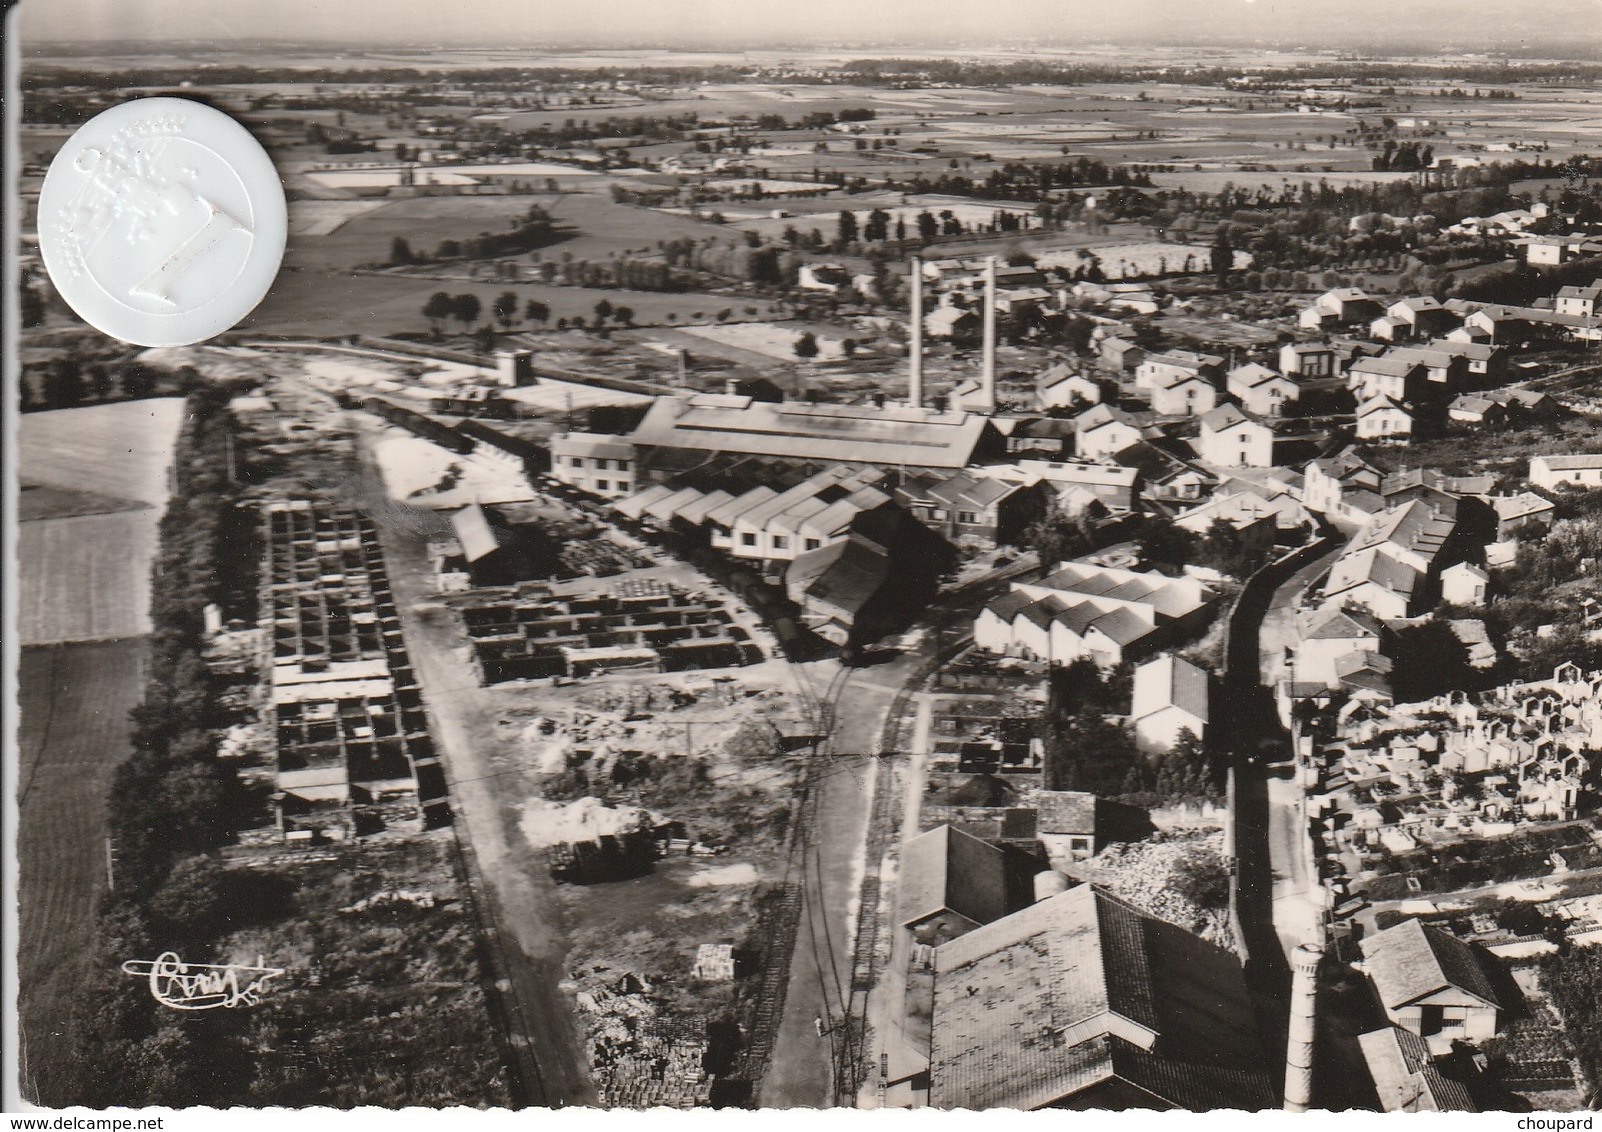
(85, 578)
(597, 226)
(330, 303)
(74, 702)
(123, 449)
(85, 550)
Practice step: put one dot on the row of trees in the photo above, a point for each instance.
(171, 806)
(67, 382)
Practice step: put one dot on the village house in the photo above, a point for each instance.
(1060, 387)
(1260, 390)
(1419, 317)
(1246, 506)
(1329, 637)
(1432, 984)
(1328, 483)
(1183, 397)
(1232, 439)
(948, 323)
(1383, 419)
(1103, 431)
(1342, 306)
(1386, 565)
(1390, 375)
(1524, 511)
(1550, 472)
(1049, 438)
(1464, 584)
(1177, 365)
(1307, 359)
(1120, 355)
(1170, 696)
(1468, 408)
(1582, 301)
(968, 505)
(1112, 486)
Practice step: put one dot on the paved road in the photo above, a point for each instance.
(1266, 830)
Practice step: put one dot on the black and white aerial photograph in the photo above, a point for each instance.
(805, 555)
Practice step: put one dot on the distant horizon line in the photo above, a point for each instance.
(1563, 50)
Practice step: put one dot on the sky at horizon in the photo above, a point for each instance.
(1448, 24)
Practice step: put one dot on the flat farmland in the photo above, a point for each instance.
(74, 702)
(333, 303)
(597, 226)
(85, 578)
(124, 449)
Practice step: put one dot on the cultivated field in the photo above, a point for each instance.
(86, 578)
(74, 702)
(83, 564)
(332, 303)
(594, 226)
(124, 449)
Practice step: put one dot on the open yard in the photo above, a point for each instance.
(74, 702)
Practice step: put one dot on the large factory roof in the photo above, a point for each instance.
(894, 434)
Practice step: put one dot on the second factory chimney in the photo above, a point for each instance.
(915, 346)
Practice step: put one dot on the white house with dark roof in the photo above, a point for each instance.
(1432, 984)
(1394, 375)
(1170, 696)
(1340, 306)
(1328, 635)
(1386, 565)
(1525, 509)
(1308, 359)
(1230, 438)
(1585, 301)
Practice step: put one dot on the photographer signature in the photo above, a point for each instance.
(202, 986)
